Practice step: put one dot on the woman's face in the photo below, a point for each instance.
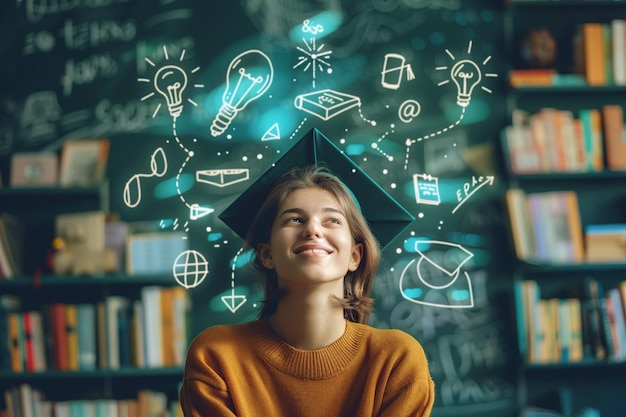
(310, 241)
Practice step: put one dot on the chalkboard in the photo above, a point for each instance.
(411, 90)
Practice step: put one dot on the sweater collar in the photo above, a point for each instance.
(309, 364)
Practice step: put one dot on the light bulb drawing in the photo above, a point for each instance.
(170, 81)
(466, 75)
(248, 77)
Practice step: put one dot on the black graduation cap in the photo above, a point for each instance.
(386, 217)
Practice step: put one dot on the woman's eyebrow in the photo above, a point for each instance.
(301, 211)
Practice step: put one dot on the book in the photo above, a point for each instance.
(564, 329)
(591, 120)
(531, 77)
(11, 245)
(520, 223)
(83, 162)
(6, 271)
(16, 350)
(568, 201)
(589, 52)
(618, 51)
(87, 336)
(594, 319)
(327, 103)
(557, 225)
(115, 306)
(8, 304)
(154, 253)
(619, 311)
(607, 51)
(123, 330)
(59, 334)
(605, 242)
(152, 334)
(532, 296)
(167, 326)
(136, 333)
(518, 144)
(537, 212)
(28, 348)
(38, 341)
(614, 141)
(116, 235)
(182, 321)
(575, 333)
(101, 320)
(71, 335)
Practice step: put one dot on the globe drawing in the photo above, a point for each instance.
(190, 268)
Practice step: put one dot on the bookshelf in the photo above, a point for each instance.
(122, 382)
(559, 382)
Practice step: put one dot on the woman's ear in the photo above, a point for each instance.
(355, 258)
(265, 255)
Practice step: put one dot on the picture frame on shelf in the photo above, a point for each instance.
(83, 162)
(34, 169)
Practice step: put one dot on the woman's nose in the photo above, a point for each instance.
(312, 229)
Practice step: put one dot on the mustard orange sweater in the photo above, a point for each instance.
(246, 370)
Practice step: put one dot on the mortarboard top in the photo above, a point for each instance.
(385, 216)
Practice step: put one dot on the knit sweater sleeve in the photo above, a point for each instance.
(410, 390)
(203, 391)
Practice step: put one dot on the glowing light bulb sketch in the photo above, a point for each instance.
(170, 81)
(158, 168)
(190, 268)
(248, 77)
(466, 76)
(313, 58)
(435, 277)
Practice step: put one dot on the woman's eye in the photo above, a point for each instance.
(335, 220)
(294, 220)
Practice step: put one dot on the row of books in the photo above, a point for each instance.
(554, 140)
(599, 53)
(27, 401)
(545, 226)
(587, 323)
(151, 331)
(90, 243)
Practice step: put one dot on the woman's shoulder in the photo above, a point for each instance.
(395, 338)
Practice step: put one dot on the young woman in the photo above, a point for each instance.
(310, 353)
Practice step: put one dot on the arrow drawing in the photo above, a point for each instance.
(234, 301)
(489, 181)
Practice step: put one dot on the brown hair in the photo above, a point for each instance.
(357, 303)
